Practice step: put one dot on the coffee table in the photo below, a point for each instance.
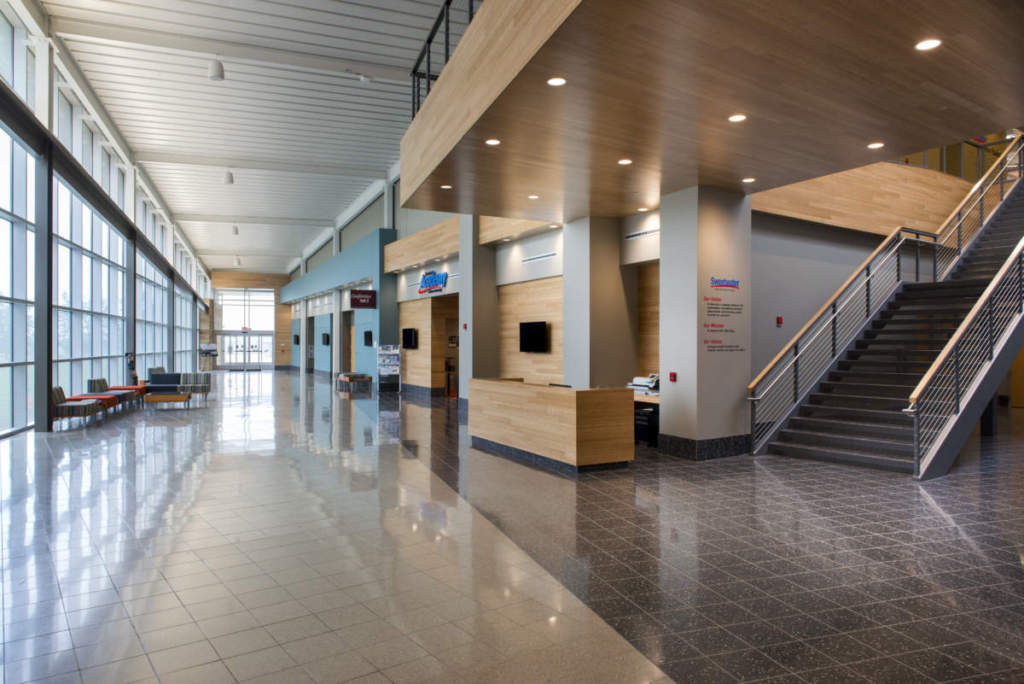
(168, 398)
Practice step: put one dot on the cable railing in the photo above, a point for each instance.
(428, 67)
(939, 396)
(797, 368)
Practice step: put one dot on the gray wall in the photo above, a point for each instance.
(509, 258)
(365, 222)
(795, 266)
(409, 221)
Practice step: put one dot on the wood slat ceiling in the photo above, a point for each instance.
(654, 81)
(268, 110)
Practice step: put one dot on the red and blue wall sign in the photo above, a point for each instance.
(433, 282)
(724, 284)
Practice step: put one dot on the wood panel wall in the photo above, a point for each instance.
(494, 228)
(438, 241)
(282, 312)
(442, 308)
(416, 362)
(424, 366)
(648, 326)
(876, 198)
(534, 300)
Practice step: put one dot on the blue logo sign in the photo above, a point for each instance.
(724, 283)
(432, 282)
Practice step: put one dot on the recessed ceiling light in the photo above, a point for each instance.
(642, 209)
(876, 145)
(625, 162)
(533, 197)
(736, 118)
(506, 239)
(556, 81)
(446, 187)
(552, 225)
(749, 180)
(493, 142)
(928, 44)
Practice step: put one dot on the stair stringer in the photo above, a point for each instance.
(950, 442)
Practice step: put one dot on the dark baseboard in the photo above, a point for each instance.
(419, 392)
(321, 373)
(703, 449)
(536, 460)
(286, 368)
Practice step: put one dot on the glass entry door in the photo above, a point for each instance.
(245, 351)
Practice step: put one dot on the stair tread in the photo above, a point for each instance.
(858, 424)
(832, 435)
(851, 455)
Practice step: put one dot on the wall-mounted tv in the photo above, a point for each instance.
(533, 336)
(410, 338)
(368, 338)
(295, 339)
(325, 339)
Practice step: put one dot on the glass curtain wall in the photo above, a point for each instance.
(89, 324)
(152, 304)
(17, 284)
(185, 332)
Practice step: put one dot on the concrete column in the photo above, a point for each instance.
(336, 342)
(598, 306)
(478, 307)
(705, 322)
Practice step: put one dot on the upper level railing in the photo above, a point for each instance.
(938, 397)
(428, 66)
(797, 368)
(967, 159)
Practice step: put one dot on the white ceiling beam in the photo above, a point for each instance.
(130, 36)
(160, 157)
(247, 252)
(256, 220)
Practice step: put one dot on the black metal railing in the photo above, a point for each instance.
(428, 66)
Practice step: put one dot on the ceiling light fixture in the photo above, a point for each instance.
(229, 178)
(446, 187)
(736, 118)
(556, 81)
(552, 225)
(506, 239)
(238, 262)
(533, 197)
(928, 44)
(625, 162)
(642, 209)
(749, 180)
(234, 230)
(493, 142)
(876, 145)
(215, 72)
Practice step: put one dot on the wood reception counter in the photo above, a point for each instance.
(576, 427)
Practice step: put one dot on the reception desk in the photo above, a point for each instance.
(575, 427)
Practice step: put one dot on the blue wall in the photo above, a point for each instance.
(321, 353)
(362, 260)
(296, 349)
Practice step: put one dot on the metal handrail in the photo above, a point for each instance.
(787, 362)
(422, 69)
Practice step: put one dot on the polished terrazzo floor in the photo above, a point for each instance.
(287, 533)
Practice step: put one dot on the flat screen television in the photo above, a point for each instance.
(533, 336)
(368, 338)
(410, 338)
(325, 340)
(295, 339)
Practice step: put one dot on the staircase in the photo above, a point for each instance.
(855, 410)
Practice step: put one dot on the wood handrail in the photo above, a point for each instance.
(979, 184)
(962, 329)
(828, 303)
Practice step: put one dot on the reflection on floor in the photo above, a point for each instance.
(280, 536)
(288, 532)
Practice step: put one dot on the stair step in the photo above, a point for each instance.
(832, 455)
(862, 428)
(840, 440)
(867, 389)
(857, 401)
(908, 379)
(901, 354)
(884, 366)
(901, 336)
(865, 415)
